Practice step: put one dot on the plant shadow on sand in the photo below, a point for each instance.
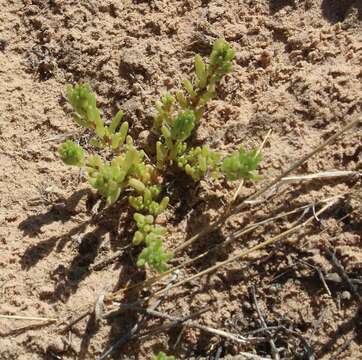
(68, 279)
(277, 5)
(333, 10)
(337, 11)
(87, 243)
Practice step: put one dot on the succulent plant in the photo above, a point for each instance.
(130, 170)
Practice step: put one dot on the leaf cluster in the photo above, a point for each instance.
(129, 171)
(197, 161)
(71, 153)
(177, 116)
(87, 115)
(242, 165)
(150, 234)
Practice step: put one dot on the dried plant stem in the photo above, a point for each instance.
(275, 352)
(190, 323)
(229, 239)
(30, 318)
(168, 325)
(136, 327)
(238, 207)
(320, 175)
(252, 356)
(76, 320)
(252, 249)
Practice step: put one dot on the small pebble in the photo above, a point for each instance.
(247, 305)
(265, 58)
(346, 295)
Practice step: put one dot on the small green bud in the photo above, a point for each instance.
(183, 125)
(154, 255)
(155, 191)
(149, 219)
(71, 153)
(153, 208)
(141, 262)
(241, 165)
(168, 100)
(83, 101)
(138, 238)
(136, 202)
(129, 139)
(162, 356)
(139, 218)
(220, 59)
(151, 238)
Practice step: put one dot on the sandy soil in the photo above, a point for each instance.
(298, 72)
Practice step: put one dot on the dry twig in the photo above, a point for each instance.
(320, 175)
(228, 240)
(167, 326)
(342, 273)
(319, 272)
(189, 323)
(246, 252)
(274, 350)
(138, 326)
(282, 328)
(28, 318)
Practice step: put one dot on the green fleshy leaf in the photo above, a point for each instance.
(115, 122)
(189, 87)
(200, 69)
(138, 185)
(154, 255)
